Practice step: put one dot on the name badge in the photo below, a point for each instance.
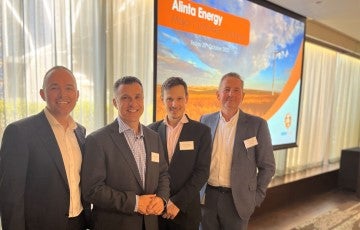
(186, 145)
(250, 142)
(155, 157)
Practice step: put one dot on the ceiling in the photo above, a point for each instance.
(343, 16)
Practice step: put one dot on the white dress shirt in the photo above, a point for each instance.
(222, 152)
(72, 158)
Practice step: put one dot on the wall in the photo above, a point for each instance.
(326, 36)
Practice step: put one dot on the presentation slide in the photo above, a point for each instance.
(200, 41)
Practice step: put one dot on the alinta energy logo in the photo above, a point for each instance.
(287, 120)
(199, 11)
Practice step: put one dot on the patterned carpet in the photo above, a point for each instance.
(338, 219)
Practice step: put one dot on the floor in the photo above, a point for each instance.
(286, 218)
(291, 215)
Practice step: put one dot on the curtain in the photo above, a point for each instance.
(36, 35)
(329, 118)
(88, 61)
(130, 49)
(345, 115)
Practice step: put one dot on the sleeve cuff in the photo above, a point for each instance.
(136, 203)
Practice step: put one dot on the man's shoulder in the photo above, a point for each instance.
(104, 130)
(208, 116)
(28, 127)
(211, 114)
(29, 121)
(196, 125)
(155, 125)
(81, 127)
(251, 117)
(149, 131)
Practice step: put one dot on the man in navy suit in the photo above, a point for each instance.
(124, 172)
(242, 162)
(187, 146)
(40, 160)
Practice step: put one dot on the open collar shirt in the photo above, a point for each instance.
(137, 146)
(222, 152)
(72, 158)
(173, 134)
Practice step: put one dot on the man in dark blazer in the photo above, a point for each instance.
(39, 190)
(242, 163)
(187, 145)
(124, 173)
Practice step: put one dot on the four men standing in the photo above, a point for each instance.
(134, 177)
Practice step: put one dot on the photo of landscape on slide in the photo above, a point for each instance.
(270, 64)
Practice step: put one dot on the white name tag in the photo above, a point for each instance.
(155, 157)
(250, 142)
(186, 145)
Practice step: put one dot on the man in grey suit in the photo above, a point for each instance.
(187, 146)
(124, 173)
(40, 160)
(242, 162)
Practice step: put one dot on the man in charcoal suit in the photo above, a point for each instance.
(242, 162)
(40, 160)
(187, 146)
(124, 173)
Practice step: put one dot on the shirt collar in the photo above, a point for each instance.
(124, 127)
(232, 120)
(183, 120)
(53, 122)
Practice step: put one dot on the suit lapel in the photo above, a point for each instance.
(121, 143)
(149, 170)
(241, 130)
(182, 137)
(80, 136)
(162, 134)
(213, 123)
(51, 146)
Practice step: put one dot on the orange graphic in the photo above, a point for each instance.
(195, 18)
(289, 87)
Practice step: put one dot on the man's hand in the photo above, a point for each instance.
(171, 211)
(156, 206)
(144, 202)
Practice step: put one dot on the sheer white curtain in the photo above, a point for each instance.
(329, 118)
(36, 35)
(345, 115)
(25, 48)
(88, 58)
(130, 48)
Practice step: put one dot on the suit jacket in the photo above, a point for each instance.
(252, 167)
(111, 179)
(189, 169)
(34, 190)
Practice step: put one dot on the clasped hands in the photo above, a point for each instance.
(150, 205)
(171, 211)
